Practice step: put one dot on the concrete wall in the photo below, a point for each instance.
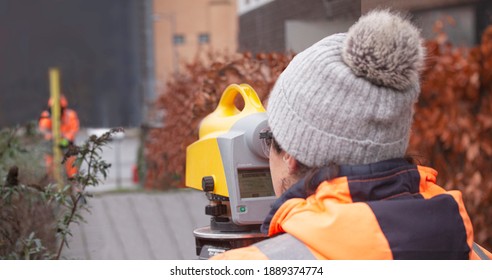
(471, 16)
(413, 4)
(293, 25)
(302, 34)
(263, 29)
(460, 33)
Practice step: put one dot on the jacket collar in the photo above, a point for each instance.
(366, 182)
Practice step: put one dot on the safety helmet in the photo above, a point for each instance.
(63, 101)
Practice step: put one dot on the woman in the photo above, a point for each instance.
(340, 117)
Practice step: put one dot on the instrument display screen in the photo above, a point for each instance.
(255, 183)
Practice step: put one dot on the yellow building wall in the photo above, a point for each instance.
(189, 18)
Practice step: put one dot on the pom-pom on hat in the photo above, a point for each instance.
(349, 98)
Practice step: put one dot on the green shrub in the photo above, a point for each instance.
(35, 216)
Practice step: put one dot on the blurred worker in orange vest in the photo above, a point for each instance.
(69, 127)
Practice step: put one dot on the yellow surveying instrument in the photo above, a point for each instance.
(230, 165)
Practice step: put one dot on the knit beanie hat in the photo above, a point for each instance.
(349, 98)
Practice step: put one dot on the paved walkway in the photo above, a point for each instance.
(139, 226)
(127, 223)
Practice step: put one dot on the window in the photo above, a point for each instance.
(178, 39)
(203, 38)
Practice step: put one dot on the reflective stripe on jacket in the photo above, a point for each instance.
(372, 212)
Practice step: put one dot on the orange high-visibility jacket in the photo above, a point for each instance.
(69, 124)
(387, 210)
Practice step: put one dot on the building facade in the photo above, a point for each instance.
(184, 29)
(290, 25)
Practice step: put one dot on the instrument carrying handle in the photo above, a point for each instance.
(252, 103)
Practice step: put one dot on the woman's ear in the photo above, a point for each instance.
(291, 163)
